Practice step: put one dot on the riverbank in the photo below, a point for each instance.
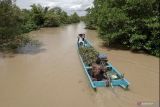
(52, 75)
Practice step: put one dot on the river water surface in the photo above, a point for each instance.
(51, 75)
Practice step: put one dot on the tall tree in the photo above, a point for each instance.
(38, 14)
(131, 23)
(74, 18)
(10, 20)
(10, 25)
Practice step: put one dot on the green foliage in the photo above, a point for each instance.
(64, 18)
(90, 19)
(9, 19)
(131, 23)
(37, 14)
(74, 18)
(14, 22)
(28, 24)
(10, 26)
(52, 20)
(89, 55)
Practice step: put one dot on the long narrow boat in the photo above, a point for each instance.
(117, 78)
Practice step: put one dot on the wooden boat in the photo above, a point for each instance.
(117, 78)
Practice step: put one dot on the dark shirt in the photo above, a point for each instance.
(99, 77)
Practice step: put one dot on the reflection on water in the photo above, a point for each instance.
(31, 48)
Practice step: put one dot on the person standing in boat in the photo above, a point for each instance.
(83, 37)
(81, 40)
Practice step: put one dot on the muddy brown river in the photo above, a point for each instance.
(51, 75)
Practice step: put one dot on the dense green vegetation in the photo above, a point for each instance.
(14, 22)
(129, 23)
(89, 55)
(74, 18)
(10, 26)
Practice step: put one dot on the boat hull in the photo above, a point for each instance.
(122, 82)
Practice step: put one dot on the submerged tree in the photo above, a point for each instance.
(10, 25)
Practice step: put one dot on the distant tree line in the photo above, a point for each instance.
(14, 22)
(129, 23)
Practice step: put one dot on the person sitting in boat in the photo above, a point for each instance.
(98, 70)
(98, 74)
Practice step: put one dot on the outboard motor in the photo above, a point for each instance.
(102, 58)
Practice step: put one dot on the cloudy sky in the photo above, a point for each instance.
(69, 6)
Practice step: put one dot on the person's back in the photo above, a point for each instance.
(97, 72)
